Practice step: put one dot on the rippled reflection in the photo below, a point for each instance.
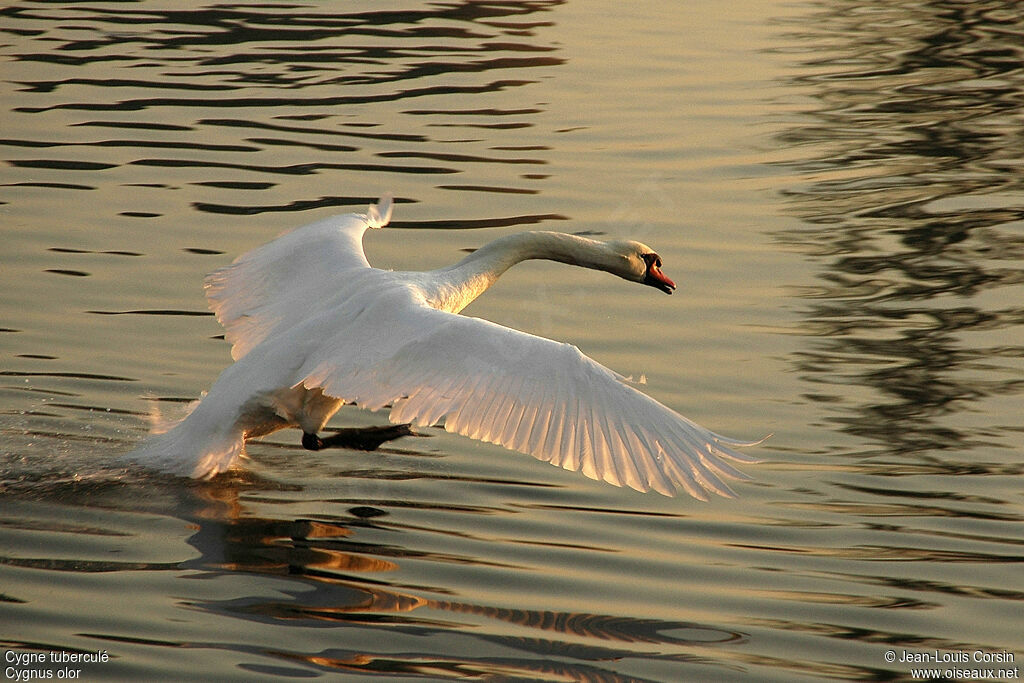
(909, 185)
(334, 580)
(914, 211)
(346, 583)
(294, 85)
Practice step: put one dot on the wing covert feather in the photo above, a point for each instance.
(286, 280)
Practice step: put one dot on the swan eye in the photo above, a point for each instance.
(652, 260)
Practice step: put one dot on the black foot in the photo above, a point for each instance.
(357, 438)
(311, 442)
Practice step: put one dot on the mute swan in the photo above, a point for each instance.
(313, 326)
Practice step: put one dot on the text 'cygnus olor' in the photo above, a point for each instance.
(313, 326)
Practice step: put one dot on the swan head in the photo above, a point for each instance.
(639, 263)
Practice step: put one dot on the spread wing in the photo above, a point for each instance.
(288, 280)
(524, 392)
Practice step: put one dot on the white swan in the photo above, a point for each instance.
(313, 326)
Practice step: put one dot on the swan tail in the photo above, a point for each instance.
(189, 448)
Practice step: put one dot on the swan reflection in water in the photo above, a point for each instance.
(313, 326)
(341, 580)
(368, 567)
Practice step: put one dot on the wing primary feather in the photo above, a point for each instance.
(623, 454)
(572, 458)
(528, 421)
(698, 454)
(461, 417)
(695, 438)
(504, 413)
(638, 444)
(522, 433)
(575, 450)
(681, 475)
(508, 438)
(712, 482)
(497, 398)
(585, 440)
(537, 445)
(720, 461)
(606, 463)
(640, 464)
(637, 462)
(687, 452)
(656, 475)
(477, 426)
(515, 415)
(412, 408)
(471, 415)
(553, 444)
(726, 443)
(560, 418)
(437, 402)
(568, 453)
(499, 413)
(457, 392)
(736, 443)
(723, 468)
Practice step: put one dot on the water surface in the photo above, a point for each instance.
(836, 187)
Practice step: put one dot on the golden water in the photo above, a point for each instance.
(835, 186)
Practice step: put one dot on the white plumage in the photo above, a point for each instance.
(313, 326)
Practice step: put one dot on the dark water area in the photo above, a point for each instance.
(835, 186)
(917, 221)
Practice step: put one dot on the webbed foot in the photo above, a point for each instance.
(357, 438)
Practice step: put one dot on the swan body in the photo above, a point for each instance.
(313, 326)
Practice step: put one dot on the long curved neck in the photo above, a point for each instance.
(456, 286)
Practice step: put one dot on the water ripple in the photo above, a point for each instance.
(174, 71)
(913, 214)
